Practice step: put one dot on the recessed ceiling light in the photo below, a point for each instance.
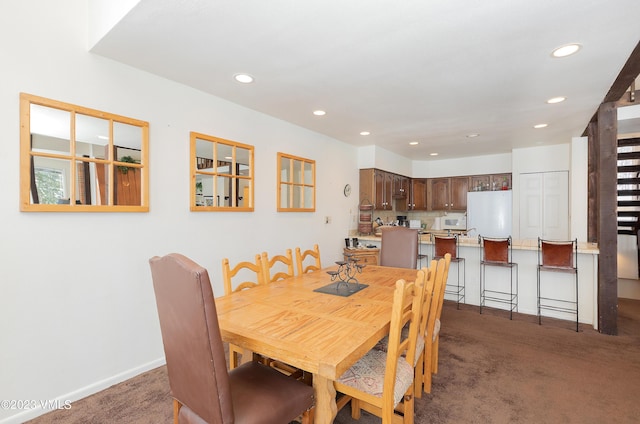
(243, 78)
(103, 137)
(472, 135)
(556, 100)
(566, 50)
(433, 154)
(228, 157)
(319, 112)
(540, 126)
(365, 133)
(414, 143)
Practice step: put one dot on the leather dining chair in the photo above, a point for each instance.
(301, 257)
(399, 247)
(252, 274)
(382, 382)
(202, 388)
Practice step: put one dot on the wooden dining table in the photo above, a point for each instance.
(320, 333)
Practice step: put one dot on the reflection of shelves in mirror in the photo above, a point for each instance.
(199, 200)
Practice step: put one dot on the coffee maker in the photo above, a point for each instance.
(402, 220)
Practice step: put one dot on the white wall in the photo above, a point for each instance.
(478, 165)
(377, 157)
(77, 310)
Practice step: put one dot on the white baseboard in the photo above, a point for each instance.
(29, 414)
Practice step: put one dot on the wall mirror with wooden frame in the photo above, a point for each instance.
(221, 174)
(76, 159)
(296, 184)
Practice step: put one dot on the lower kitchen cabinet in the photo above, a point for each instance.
(367, 256)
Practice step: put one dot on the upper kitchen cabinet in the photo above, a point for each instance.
(418, 195)
(377, 187)
(449, 194)
(501, 182)
(400, 186)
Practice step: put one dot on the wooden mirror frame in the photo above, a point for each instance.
(296, 184)
(93, 172)
(222, 176)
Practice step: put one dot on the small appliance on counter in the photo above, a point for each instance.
(454, 222)
(415, 223)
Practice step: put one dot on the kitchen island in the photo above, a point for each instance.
(525, 254)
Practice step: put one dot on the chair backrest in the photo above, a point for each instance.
(437, 297)
(302, 256)
(407, 306)
(429, 286)
(242, 270)
(399, 247)
(443, 245)
(558, 254)
(442, 281)
(193, 346)
(272, 268)
(496, 249)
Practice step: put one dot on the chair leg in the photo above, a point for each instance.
(434, 355)
(409, 412)
(426, 372)
(307, 416)
(176, 410)
(355, 409)
(418, 378)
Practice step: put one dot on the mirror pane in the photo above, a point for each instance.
(204, 154)
(128, 137)
(204, 190)
(308, 197)
(52, 178)
(242, 159)
(244, 193)
(297, 172)
(92, 136)
(224, 156)
(50, 124)
(297, 196)
(284, 195)
(126, 182)
(285, 170)
(223, 191)
(308, 173)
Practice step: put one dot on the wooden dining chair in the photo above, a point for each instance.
(432, 330)
(438, 324)
(302, 257)
(251, 274)
(277, 267)
(381, 382)
(202, 388)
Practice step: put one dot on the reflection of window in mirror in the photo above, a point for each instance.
(98, 159)
(296, 184)
(221, 174)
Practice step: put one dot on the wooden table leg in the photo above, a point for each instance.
(326, 409)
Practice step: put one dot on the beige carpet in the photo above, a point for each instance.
(492, 370)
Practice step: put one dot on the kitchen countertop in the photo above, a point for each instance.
(472, 241)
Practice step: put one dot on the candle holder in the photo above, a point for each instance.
(344, 278)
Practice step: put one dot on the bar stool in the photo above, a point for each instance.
(498, 252)
(449, 244)
(558, 256)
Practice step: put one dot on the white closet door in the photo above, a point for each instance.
(544, 205)
(556, 205)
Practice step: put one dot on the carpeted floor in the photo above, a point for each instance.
(492, 370)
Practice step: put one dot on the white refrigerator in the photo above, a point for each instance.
(489, 213)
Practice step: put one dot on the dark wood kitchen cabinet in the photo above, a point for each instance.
(376, 188)
(418, 195)
(449, 194)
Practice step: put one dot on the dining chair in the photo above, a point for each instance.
(278, 267)
(380, 382)
(558, 256)
(438, 323)
(449, 244)
(498, 252)
(399, 247)
(202, 388)
(432, 326)
(301, 257)
(252, 274)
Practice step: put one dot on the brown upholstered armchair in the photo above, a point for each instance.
(399, 247)
(202, 388)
